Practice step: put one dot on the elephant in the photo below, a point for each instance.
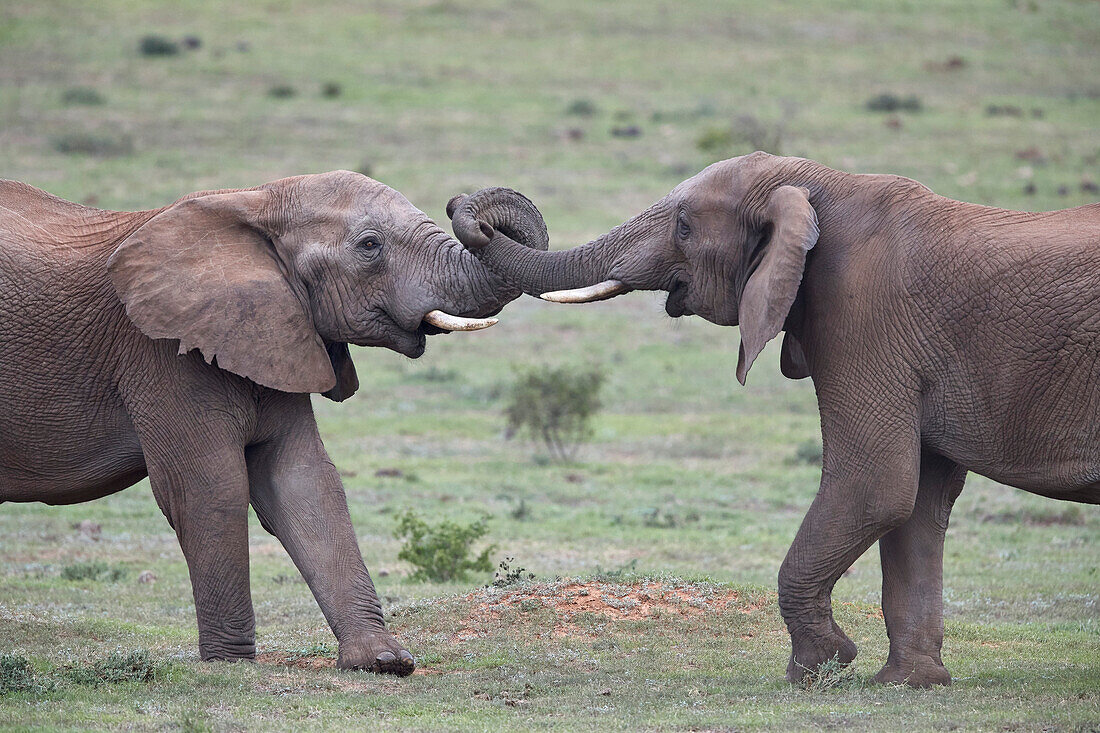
(183, 344)
(941, 337)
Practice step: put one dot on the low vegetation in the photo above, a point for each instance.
(442, 552)
(554, 406)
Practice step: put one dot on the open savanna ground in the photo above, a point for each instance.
(655, 554)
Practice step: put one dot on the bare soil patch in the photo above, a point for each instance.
(567, 599)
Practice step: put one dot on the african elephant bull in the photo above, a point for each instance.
(941, 337)
(183, 343)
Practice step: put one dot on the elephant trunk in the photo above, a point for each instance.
(512, 212)
(607, 266)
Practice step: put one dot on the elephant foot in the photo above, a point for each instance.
(227, 651)
(809, 651)
(920, 670)
(379, 652)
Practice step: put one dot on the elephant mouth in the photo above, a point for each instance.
(676, 303)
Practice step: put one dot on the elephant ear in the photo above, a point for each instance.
(773, 286)
(205, 271)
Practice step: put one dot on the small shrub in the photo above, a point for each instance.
(154, 45)
(135, 666)
(82, 95)
(743, 132)
(521, 511)
(507, 575)
(331, 89)
(715, 140)
(893, 103)
(17, 674)
(554, 405)
(441, 552)
(83, 143)
(808, 452)
(93, 571)
(660, 519)
(616, 574)
(282, 91)
(581, 108)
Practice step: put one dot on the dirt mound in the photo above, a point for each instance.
(616, 602)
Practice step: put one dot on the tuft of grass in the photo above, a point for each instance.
(831, 675)
(86, 143)
(134, 666)
(282, 91)
(86, 96)
(155, 45)
(441, 552)
(17, 674)
(96, 570)
(887, 102)
(581, 108)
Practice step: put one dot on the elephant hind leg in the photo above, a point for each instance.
(203, 492)
(912, 578)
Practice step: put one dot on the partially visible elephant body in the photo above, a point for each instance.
(59, 317)
(941, 337)
(183, 343)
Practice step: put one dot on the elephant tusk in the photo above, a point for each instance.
(599, 291)
(447, 322)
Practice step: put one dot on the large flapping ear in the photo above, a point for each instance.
(773, 286)
(205, 271)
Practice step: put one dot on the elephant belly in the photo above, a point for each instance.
(65, 451)
(87, 473)
(1045, 440)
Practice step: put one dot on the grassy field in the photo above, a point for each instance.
(656, 554)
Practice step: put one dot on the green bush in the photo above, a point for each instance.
(158, 46)
(554, 405)
(441, 552)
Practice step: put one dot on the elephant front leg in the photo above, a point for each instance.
(206, 502)
(912, 579)
(868, 484)
(299, 498)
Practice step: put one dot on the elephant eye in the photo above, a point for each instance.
(683, 230)
(369, 243)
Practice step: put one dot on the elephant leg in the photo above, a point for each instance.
(912, 578)
(299, 498)
(204, 495)
(868, 486)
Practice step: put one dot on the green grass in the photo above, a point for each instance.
(688, 476)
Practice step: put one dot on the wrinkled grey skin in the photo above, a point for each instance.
(183, 343)
(941, 337)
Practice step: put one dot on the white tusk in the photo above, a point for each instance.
(599, 291)
(447, 322)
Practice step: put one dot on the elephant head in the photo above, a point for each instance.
(729, 244)
(274, 282)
